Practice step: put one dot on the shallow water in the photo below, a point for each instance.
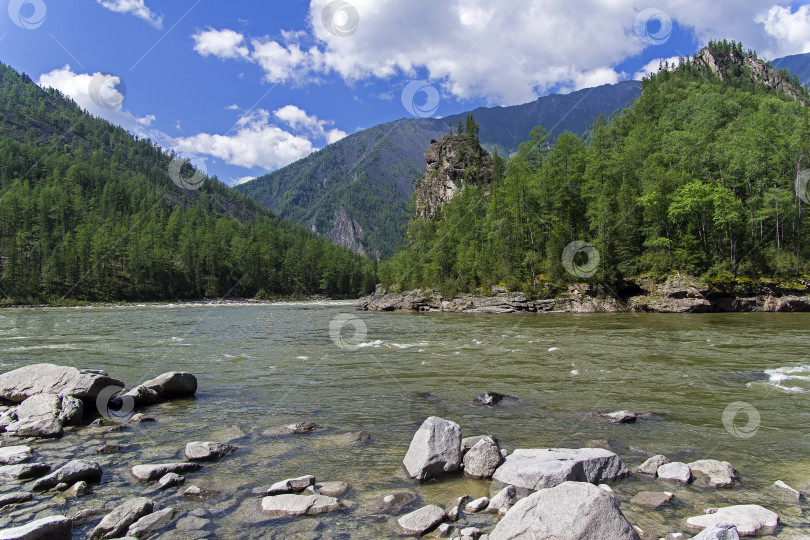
(261, 366)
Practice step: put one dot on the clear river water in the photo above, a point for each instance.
(724, 386)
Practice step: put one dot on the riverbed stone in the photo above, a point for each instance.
(149, 473)
(79, 489)
(114, 524)
(45, 408)
(332, 489)
(720, 531)
(301, 428)
(392, 502)
(717, 474)
(749, 519)
(290, 485)
(44, 428)
(780, 488)
(300, 505)
(49, 528)
(569, 511)
(652, 499)
(620, 417)
(483, 458)
(23, 471)
(70, 473)
(150, 524)
(421, 521)
(675, 472)
(453, 510)
(19, 384)
(192, 523)
(197, 492)
(208, 451)
(533, 469)
(170, 480)
(650, 467)
(503, 500)
(15, 497)
(435, 449)
(173, 384)
(477, 505)
(469, 442)
(12, 455)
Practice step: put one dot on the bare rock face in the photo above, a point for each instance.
(434, 450)
(570, 511)
(451, 162)
(19, 384)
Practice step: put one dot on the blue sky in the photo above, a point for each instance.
(248, 86)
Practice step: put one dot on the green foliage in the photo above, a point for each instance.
(698, 176)
(88, 212)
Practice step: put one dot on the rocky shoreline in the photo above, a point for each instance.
(675, 295)
(540, 493)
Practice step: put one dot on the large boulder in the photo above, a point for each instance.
(148, 473)
(533, 469)
(650, 467)
(19, 384)
(434, 450)
(43, 415)
(175, 384)
(717, 474)
(483, 458)
(570, 511)
(299, 505)
(70, 473)
(675, 472)
(421, 521)
(117, 522)
(749, 519)
(208, 451)
(49, 528)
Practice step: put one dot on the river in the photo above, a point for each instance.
(261, 366)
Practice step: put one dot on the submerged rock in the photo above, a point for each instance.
(569, 511)
(208, 451)
(299, 505)
(23, 471)
(70, 473)
(421, 521)
(533, 469)
(489, 399)
(652, 499)
(620, 417)
(332, 489)
(434, 450)
(301, 428)
(749, 519)
(19, 384)
(49, 528)
(125, 514)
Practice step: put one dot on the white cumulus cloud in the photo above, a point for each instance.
(789, 30)
(136, 8)
(655, 65)
(224, 44)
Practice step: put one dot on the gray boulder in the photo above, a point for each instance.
(421, 521)
(43, 428)
(19, 384)
(15, 497)
(173, 384)
(720, 531)
(477, 505)
(301, 428)
(116, 523)
(23, 471)
(150, 524)
(749, 519)
(148, 473)
(291, 485)
(535, 469)
(332, 489)
(170, 480)
(569, 511)
(717, 474)
(70, 473)
(503, 500)
(675, 472)
(12, 455)
(49, 528)
(208, 451)
(300, 505)
(650, 467)
(483, 458)
(434, 450)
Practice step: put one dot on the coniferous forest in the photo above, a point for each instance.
(88, 212)
(702, 175)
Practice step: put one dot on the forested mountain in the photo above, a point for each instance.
(89, 212)
(705, 174)
(356, 191)
(798, 64)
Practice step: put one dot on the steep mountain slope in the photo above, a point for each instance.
(798, 64)
(89, 212)
(356, 191)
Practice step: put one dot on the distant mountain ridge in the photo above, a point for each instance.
(356, 191)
